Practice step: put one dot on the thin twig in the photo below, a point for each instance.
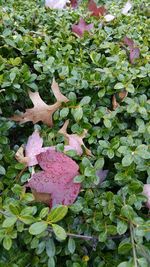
(87, 237)
(20, 173)
(133, 246)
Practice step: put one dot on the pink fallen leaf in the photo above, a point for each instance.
(146, 192)
(57, 162)
(56, 4)
(134, 54)
(74, 3)
(57, 178)
(73, 140)
(96, 11)
(34, 147)
(41, 111)
(134, 51)
(102, 175)
(126, 8)
(128, 41)
(81, 27)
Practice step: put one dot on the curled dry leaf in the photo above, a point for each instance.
(81, 27)
(20, 156)
(134, 54)
(73, 140)
(128, 41)
(41, 111)
(56, 4)
(134, 51)
(96, 11)
(126, 8)
(122, 94)
(115, 104)
(146, 192)
(56, 181)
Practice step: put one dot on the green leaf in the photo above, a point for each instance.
(71, 245)
(12, 76)
(128, 212)
(142, 151)
(59, 232)
(78, 179)
(102, 236)
(122, 227)
(64, 112)
(127, 160)
(125, 264)
(124, 247)
(50, 247)
(44, 212)
(2, 170)
(130, 88)
(77, 113)
(119, 86)
(57, 214)
(14, 210)
(7, 242)
(37, 228)
(107, 123)
(27, 219)
(85, 100)
(51, 262)
(99, 163)
(8, 222)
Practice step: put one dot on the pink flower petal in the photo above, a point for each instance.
(96, 11)
(134, 54)
(81, 27)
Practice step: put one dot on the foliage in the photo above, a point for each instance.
(108, 225)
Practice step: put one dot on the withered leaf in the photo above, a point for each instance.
(41, 111)
(115, 104)
(81, 27)
(73, 140)
(96, 11)
(122, 94)
(54, 185)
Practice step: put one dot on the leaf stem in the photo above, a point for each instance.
(133, 246)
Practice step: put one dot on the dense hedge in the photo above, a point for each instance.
(36, 45)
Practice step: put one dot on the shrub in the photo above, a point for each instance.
(108, 225)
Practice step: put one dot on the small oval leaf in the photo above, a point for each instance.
(37, 228)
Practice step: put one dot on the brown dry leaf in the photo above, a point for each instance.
(73, 140)
(41, 197)
(20, 156)
(123, 94)
(115, 104)
(41, 111)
